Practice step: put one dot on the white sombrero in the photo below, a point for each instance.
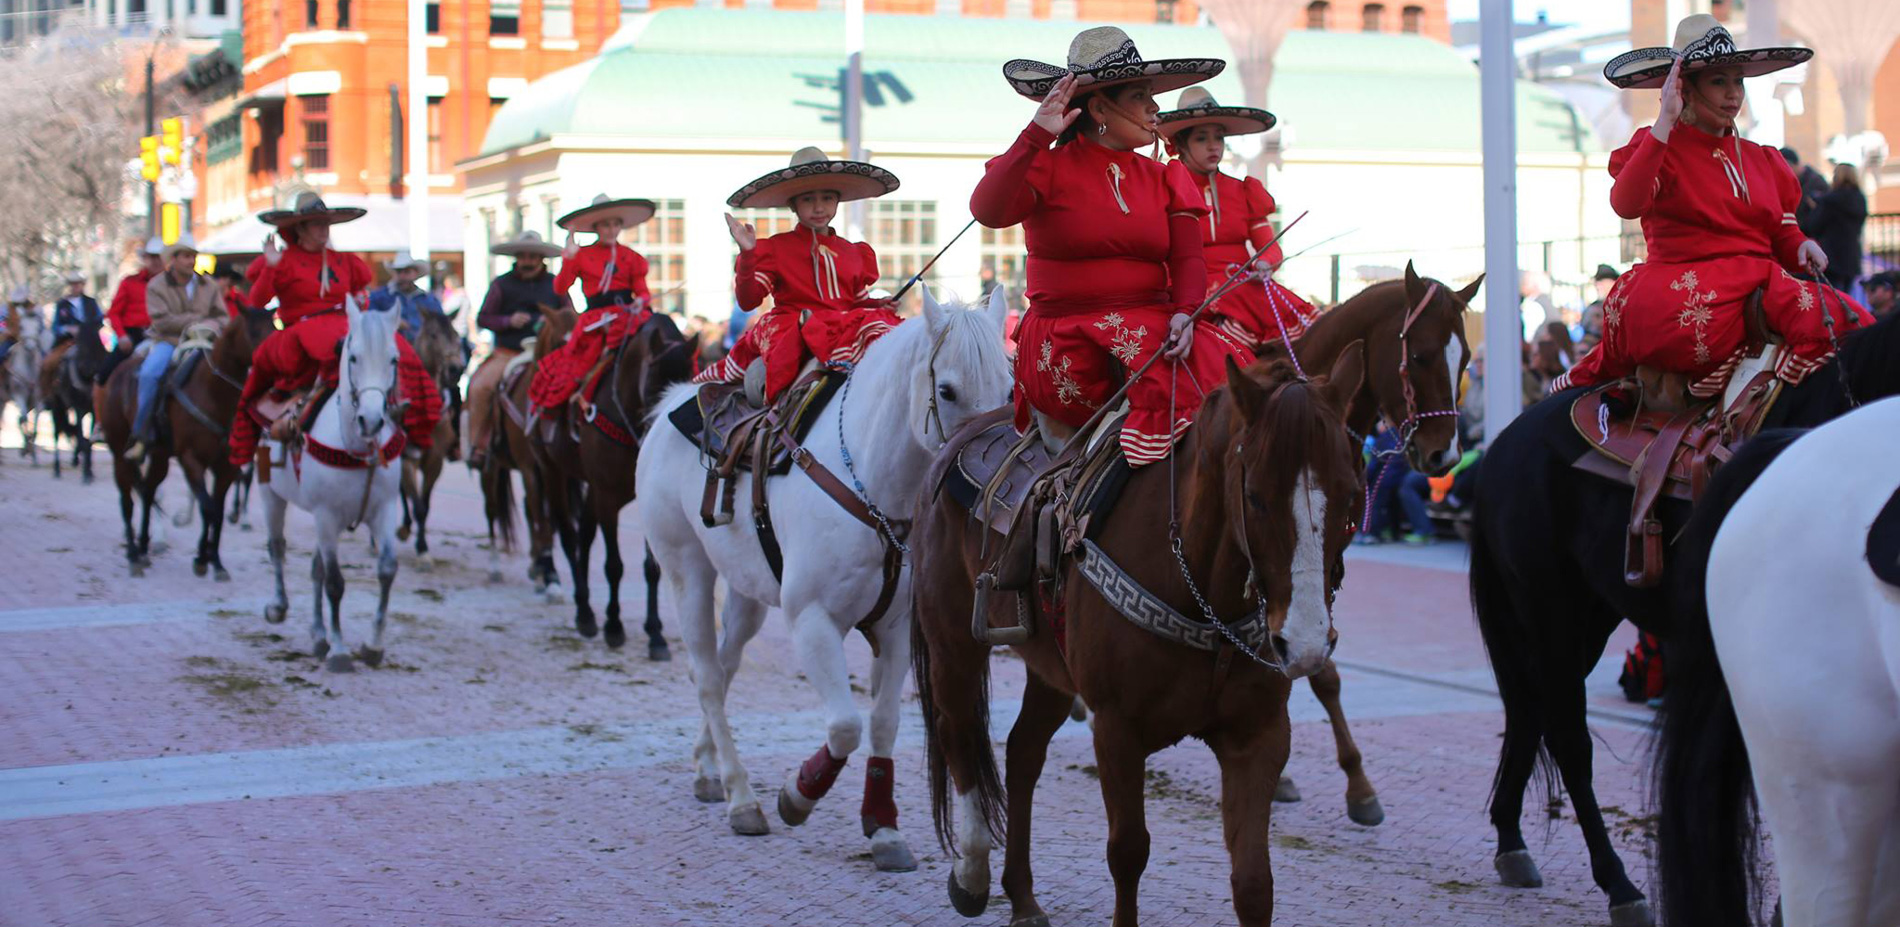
(310, 208)
(1197, 107)
(184, 243)
(1701, 42)
(403, 260)
(154, 246)
(75, 276)
(20, 294)
(527, 243)
(1103, 57)
(630, 211)
(812, 170)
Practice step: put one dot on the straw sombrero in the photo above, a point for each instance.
(1103, 57)
(402, 260)
(812, 170)
(1701, 42)
(184, 243)
(527, 243)
(310, 208)
(1197, 107)
(154, 246)
(631, 213)
(75, 276)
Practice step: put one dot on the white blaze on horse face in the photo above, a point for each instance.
(1454, 352)
(1308, 625)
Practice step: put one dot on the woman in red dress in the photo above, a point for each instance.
(1260, 311)
(1718, 218)
(1114, 240)
(614, 282)
(816, 278)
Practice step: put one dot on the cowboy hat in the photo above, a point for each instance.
(154, 246)
(20, 294)
(184, 243)
(1103, 57)
(404, 261)
(1197, 107)
(812, 170)
(527, 244)
(75, 276)
(630, 212)
(1701, 42)
(310, 208)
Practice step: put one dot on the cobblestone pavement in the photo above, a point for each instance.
(171, 759)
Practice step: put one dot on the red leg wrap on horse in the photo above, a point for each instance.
(817, 774)
(879, 809)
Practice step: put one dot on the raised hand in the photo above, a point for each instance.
(273, 252)
(571, 248)
(1054, 115)
(1671, 110)
(742, 232)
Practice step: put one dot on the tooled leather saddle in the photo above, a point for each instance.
(734, 435)
(1668, 444)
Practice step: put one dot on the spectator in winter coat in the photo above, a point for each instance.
(1836, 223)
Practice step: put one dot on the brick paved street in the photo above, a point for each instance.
(170, 759)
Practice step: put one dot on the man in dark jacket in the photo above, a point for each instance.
(1835, 225)
(511, 310)
(1813, 186)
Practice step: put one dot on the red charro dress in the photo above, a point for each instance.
(817, 284)
(1718, 218)
(309, 287)
(1114, 247)
(614, 279)
(1258, 312)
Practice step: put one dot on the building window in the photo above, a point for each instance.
(504, 17)
(662, 241)
(224, 140)
(270, 130)
(436, 165)
(1164, 11)
(557, 19)
(1318, 14)
(218, 7)
(316, 132)
(432, 18)
(1004, 258)
(551, 210)
(494, 106)
(904, 234)
(310, 14)
(1412, 19)
(343, 14)
(1375, 17)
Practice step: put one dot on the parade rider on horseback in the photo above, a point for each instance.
(1718, 218)
(1114, 239)
(817, 279)
(1260, 311)
(614, 280)
(174, 301)
(72, 312)
(510, 311)
(309, 280)
(18, 304)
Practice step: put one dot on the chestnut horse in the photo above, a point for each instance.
(512, 449)
(199, 414)
(1265, 486)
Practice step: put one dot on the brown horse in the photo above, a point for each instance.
(133, 479)
(514, 450)
(440, 350)
(1264, 488)
(199, 414)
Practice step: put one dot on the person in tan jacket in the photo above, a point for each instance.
(177, 299)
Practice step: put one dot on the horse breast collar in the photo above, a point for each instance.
(1147, 611)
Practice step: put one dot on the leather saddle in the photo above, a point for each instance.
(1668, 443)
(734, 435)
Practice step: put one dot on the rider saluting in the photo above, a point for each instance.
(309, 280)
(1114, 240)
(1718, 218)
(614, 280)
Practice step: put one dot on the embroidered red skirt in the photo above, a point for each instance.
(558, 375)
(1257, 313)
(293, 359)
(1688, 318)
(1068, 364)
(834, 336)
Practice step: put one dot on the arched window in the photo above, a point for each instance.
(1317, 15)
(1375, 17)
(1412, 19)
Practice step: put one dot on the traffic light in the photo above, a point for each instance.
(171, 142)
(170, 222)
(148, 158)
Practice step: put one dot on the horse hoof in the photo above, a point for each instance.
(708, 789)
(968, 904)
(339, 663)
(793, 808)
(86, 480)
(244, 526)
(890, 853)
(422, 549)
(1286, 792)
(370, 656)
(748, 821)
(1368, 813)
(402, 533)
(615, 636)
(274, 614)
(584, 624)
(320, 649)
(1078, 710)
(1632, 914)
(553, 596)
(137, 568)
(1033, 920)
(658, 653)
(199, 568)
(1517, 870)
(220, 575)
(494, 576)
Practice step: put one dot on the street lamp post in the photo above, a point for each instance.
(1503, 328)
(151, 128)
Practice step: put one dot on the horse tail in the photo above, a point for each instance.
(1707, 832)
(498, 503)
(973, 738)
(1513, 663)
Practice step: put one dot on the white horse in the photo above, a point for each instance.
(1792, 674)
(20, 376)
(359, 422)
(915, 386)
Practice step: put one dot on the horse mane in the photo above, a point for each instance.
(1871, 358)
(555, 329)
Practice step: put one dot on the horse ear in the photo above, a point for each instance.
(1414, 287)
(933, 313)
(351, 311)
(1246, 392)
(1347, 375)
(1470, 290)
(999, 306)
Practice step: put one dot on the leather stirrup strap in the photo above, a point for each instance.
(1643, 551)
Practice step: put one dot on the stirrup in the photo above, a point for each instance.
(979, 618)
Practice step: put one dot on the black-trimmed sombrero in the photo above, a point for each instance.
(1198, 107)
(529, 242)
(1105, 56)
(310, 207)
(812, 170)
(1701, 42)
(631, 212)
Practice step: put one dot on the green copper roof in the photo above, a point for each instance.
(700, 73)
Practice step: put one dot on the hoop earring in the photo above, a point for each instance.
(1101, 128)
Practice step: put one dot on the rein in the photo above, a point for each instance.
(1413, 417)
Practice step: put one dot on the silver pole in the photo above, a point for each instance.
(417, 189)
(853, 115)
(1503, 328)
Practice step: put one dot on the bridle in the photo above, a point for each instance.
(894, 531)
(931, 415)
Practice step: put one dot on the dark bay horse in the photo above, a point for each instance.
(440, 350)
(1267, 484)
(69, 396)
(199, 414)
(1547, 586)
(513, 451)
(134, 480)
